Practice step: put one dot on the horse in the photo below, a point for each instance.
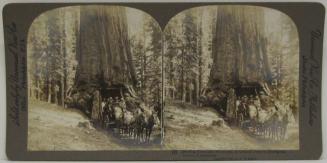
(262, 117)
(139, 125)
(284, 117)
(118, 116)
(107, 114)
(149, 123)
(128, 121)
(253, 113)
(241, 114)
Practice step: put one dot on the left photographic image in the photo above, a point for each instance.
(94, 80)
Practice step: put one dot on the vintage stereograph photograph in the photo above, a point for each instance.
(94, 77)
(163, 81)
(231, 79)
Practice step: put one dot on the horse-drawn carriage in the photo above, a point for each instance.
(252, 107)
(127, 115)
(117, 109)
(255, 110)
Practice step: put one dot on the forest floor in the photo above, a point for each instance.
(193, 128)
(51, 127)
(54, 128)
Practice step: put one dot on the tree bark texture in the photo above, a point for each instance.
(104, 55)
(239, 50)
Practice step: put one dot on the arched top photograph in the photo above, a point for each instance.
(111, 72)
(98, 69)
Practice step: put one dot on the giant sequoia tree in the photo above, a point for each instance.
(239, 55)
(209, 52)
(79, 53)
(104, 54)
(239, 48)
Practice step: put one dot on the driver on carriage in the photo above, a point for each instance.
(122, 104)
(265, 100)
(110, 104)
(130, 103)
(243, 106)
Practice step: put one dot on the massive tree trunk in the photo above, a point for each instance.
(104, 56)
(104, 51)
(239, 54)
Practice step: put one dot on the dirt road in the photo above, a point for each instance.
(189, 127)
(51, 127)
(54, 128)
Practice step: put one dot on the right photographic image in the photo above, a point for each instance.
(231, 79)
